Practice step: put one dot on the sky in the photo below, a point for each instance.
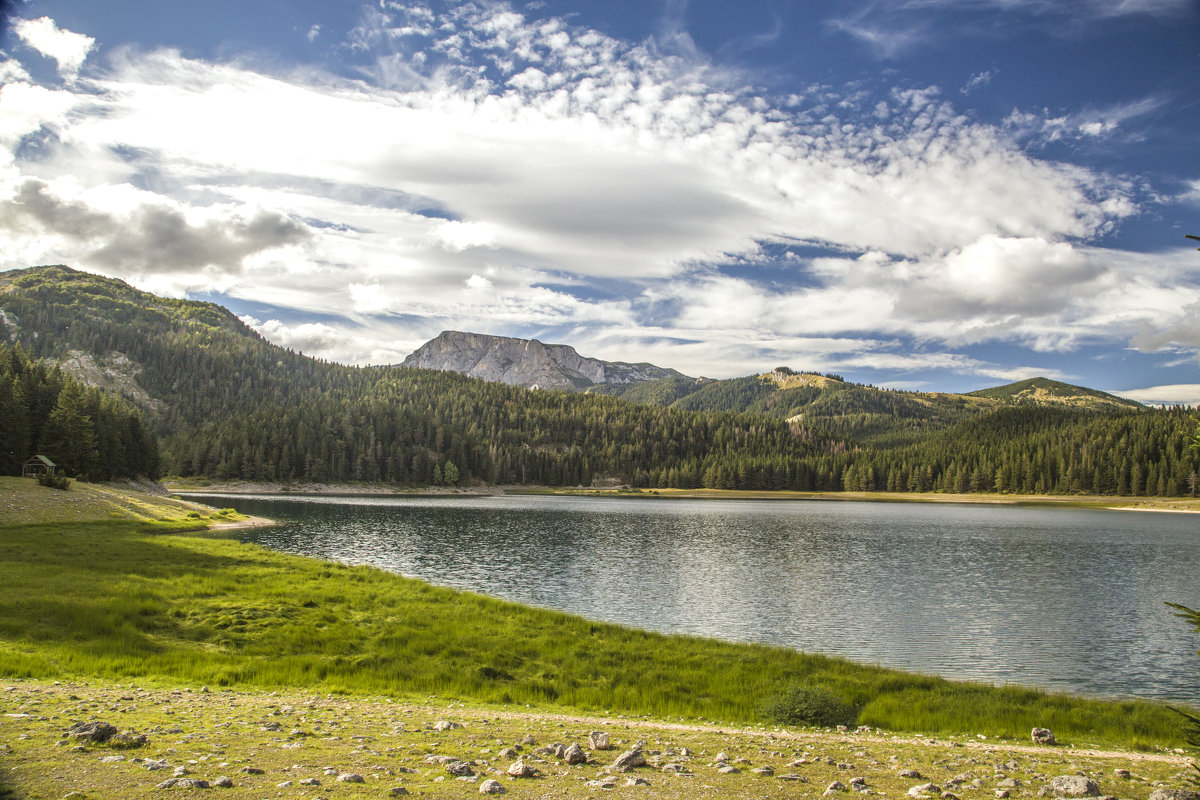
(938, 195)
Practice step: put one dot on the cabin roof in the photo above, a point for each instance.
(41, 460)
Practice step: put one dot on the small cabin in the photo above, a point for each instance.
(38, 465)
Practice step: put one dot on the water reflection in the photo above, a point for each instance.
(1061, 598)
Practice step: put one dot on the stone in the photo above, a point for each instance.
(910, 773)
(924, 790)
(721, 757)
(182, 783)
(223, 782)
(635, 781)
(519, 769)
(310, 782)
(1123, 774)
(284, 785)
(728, 769)
(509, 752)
(833, 788)
(574, 755)
(763, 770)
(1009, 783)
(127, 740)
(1042, 736)
(676, 769)
(445, 725)
(92, 731)
(111, 759)
(459, 769)
(602, 783)
(492, 787)
(397, 791)
(528, 740)
(1174, 794)
(1001, 794)
(1075, 786)
(629, 759)
(599, 740)
(252, 771)
(153, 766)
(350, 777)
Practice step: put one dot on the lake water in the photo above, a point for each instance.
(1066, 599)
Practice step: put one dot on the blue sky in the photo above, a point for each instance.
(928, 194)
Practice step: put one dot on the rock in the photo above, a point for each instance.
(492, 787)
(284, 785)
(528, 740)
(835, 787)
(910, 773)
(574, 755)
(92, 731)
(1174, 794)
(721, 757)
(1123, 774)
(111, 759)
(763, 770)
(223, 782)
(1001, 794)
(1076, 786)
(728, 769)
(310, 782)
(153, 766)
(252, 771)
(446, 725)
(509, 752)
(350, 777)
(635, 781)
(181, 770)
(459, 769)
(1009, 783)
(519, 769)
(602, 783)
(1042, 736)
(924, 790)
(598, 740)
(440, 759)
(182, 783)
(397, 791)
(677, 769)
(629, 759)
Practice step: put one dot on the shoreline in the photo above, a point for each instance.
(1177, 505)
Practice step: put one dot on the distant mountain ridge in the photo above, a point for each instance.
(528, 363)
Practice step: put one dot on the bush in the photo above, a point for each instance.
(54, 481)
(805, 704)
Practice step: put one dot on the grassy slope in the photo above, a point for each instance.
(122, 600)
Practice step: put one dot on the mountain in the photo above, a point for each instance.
(224, 403)
(1043, 391)
(528, 363)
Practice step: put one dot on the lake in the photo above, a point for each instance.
(1065, 599)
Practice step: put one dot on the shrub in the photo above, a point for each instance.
(806, 704)
(54, 481)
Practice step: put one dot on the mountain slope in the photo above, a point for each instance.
(1043, 391)
(527, 362)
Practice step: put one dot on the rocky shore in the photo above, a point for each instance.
(106, 740)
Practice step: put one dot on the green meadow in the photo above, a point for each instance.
(133, 595)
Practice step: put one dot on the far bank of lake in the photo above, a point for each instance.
(1068, 599)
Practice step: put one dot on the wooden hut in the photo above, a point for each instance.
(38, 465)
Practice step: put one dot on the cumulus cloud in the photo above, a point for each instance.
(68, 49)
(525, 176)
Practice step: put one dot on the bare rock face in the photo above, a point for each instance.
(526, 362)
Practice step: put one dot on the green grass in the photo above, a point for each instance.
(124, 600)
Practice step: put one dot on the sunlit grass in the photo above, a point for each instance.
(124, 600)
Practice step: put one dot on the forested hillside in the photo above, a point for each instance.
(226, 404)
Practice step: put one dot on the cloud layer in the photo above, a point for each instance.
(485, 170)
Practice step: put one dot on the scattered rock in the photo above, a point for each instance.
(676, 769)
(1079, 786)
(1009, 783)
(397, 791)
(252, 771)
(223, 782)
(1123, 774)
(519, 769)
(153, 766)
(635, 781)
(350, 777)
(602, 783)
(92, 731)
(310, 782)
(924, 790)
(445, 725)
(1042, 736)
(598, 740)
(574, 755)
(509, 752)
(459, 769)
(763, 770)
(492, 787)
(182, 783)
(728, 769)
(629, 759)
(910, 773)
(835, 787)
(1001, 794)
(1174, 794)
(127, 740)
(111, 759)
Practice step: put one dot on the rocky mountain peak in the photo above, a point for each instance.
(526, 362)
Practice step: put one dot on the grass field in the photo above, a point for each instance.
(126, 596)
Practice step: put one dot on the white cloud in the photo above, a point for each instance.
(69, 50)
(1174, 394)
